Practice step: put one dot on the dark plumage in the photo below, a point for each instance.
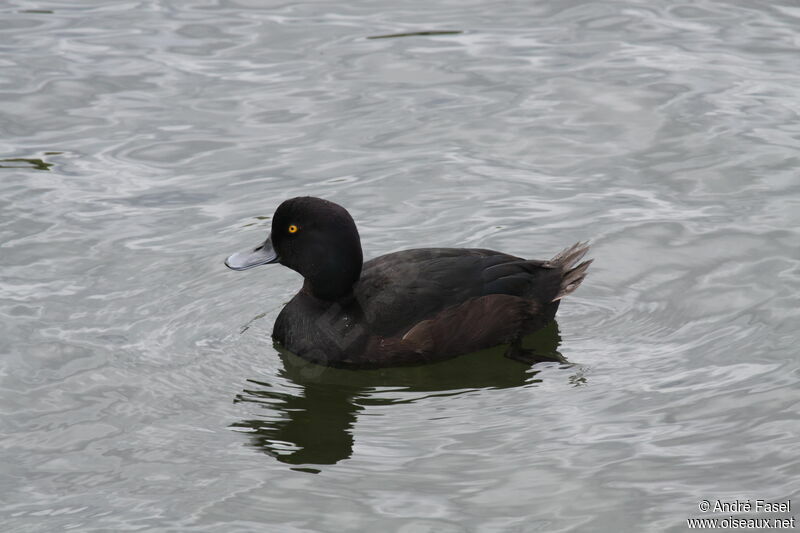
(402, 308)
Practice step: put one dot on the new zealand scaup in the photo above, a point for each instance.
(403, 308)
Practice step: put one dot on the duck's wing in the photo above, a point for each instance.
(475, 324)
(398, 291)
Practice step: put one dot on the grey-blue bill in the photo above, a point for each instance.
(261, 255)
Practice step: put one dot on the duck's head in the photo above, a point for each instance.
(315, 238)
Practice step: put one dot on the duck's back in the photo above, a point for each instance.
(398, 290)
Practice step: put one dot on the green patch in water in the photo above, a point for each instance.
(30, 163)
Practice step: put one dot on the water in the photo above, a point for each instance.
(144, 141)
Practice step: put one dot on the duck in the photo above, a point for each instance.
(409, 307)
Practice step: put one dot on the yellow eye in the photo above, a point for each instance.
(293, 229)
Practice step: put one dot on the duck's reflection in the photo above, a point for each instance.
(314, 425)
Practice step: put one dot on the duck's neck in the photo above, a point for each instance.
(333, 280)
(326, 293)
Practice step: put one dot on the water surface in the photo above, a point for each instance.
(141, 142)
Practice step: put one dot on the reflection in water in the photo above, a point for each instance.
(314, 426)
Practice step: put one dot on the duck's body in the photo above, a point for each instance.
(408, 307)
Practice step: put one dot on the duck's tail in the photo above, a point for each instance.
(566, 261)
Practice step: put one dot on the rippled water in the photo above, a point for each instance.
(143, 141)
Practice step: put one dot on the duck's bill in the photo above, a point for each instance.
(262, 255)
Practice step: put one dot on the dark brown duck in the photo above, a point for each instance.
(403, 308)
